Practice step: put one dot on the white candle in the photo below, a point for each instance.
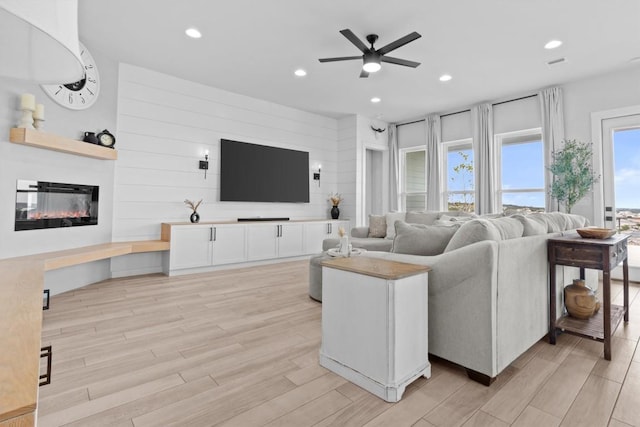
(39, 113)
(28, 102)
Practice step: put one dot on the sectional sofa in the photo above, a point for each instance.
(488, 287)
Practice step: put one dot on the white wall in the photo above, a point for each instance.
(22, 162)
(165, 124)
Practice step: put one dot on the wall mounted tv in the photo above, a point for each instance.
(259, 173)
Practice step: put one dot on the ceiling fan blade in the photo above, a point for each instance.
(399, 61)
(340, 58)
(355, 40)
(364, 74)
(398, 43)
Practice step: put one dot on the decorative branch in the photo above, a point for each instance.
(192, 205)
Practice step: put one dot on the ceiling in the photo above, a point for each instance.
(492, 48)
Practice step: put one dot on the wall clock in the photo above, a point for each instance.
(81, 94)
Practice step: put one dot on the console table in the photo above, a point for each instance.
(596, 254)
(374, 323)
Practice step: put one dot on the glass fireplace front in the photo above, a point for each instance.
(41, 204)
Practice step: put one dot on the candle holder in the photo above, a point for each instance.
(38, 124)
(27, 118)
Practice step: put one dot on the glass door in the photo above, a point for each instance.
(621, 179)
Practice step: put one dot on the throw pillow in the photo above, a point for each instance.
(377, 226)
(392, 217)
(473, 231)
(420, 239)
(426, 218)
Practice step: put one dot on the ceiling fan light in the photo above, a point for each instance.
(371, 66)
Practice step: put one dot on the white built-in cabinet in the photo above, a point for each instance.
(206, 245)
(195, 246)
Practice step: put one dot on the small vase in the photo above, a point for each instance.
(580, 300)
(335, 212)
(195, 217)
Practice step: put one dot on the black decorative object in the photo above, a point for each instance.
(335, 212)
(195, 217)
(90, 137)
(106, 139)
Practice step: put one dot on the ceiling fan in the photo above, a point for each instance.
(372, 57)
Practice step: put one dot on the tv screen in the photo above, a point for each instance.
(258, 173)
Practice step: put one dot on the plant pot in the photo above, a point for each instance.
(335, 212)
(195, 217)
(580, 300)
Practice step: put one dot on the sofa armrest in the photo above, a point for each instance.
(360, 232)
(462, 303)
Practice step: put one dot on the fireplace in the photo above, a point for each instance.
(41, 204)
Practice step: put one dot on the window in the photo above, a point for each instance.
(521, 176)
(413, 191)
(459, 189)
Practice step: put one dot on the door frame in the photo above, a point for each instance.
(597, 136)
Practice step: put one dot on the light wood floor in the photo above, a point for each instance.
(240, 348)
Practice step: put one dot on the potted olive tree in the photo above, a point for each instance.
(573, 175)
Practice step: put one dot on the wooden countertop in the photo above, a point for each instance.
(21, 297)
(21, 324)
(375, 267)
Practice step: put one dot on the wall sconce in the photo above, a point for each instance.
(316, 175)
(204, 164)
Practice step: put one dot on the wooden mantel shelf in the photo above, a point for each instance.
(49, 141)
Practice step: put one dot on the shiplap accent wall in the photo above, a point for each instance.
(348, 167)
(165, 124)
(24, 162)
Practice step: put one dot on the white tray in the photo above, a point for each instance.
(335, 252)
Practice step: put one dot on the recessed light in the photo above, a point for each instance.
(445, 78)
(193, 33)
(552, 44)
(300, 72)
(375, 99)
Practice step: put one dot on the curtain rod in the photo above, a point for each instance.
(468, 109)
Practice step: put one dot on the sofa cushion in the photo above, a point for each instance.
(473, 231)
(509, 228)
(392, 217)
(377, 226)
(560, 221)
(532, 226)
(426, 218)
(420, 239)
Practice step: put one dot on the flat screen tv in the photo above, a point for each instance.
(259, 173)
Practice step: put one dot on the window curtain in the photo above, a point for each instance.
(485, 159)
(552, 113)
(394, 168)
(433, 164)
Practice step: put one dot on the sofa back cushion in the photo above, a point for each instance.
(560, 221)
(473, 231)
(420, 239)
(509, 228)
(426, 218)
(392, 217)
(533, 226)
(377, 226)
